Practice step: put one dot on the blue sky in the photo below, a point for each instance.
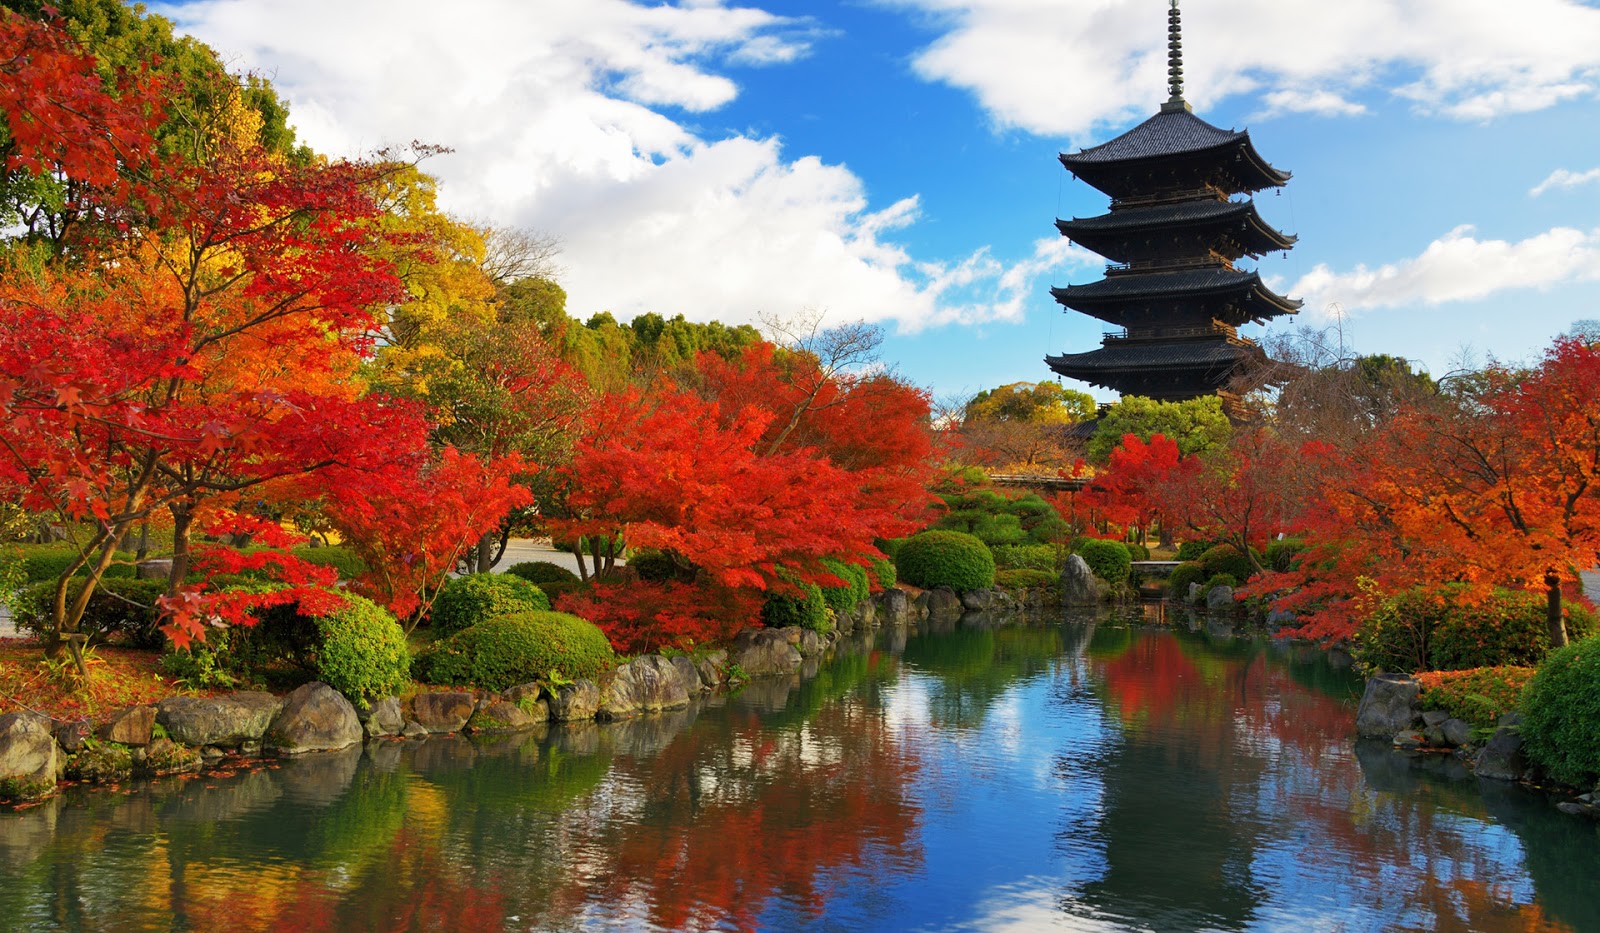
(894, 160)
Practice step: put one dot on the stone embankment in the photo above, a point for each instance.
(1390, 710)
(180, 733)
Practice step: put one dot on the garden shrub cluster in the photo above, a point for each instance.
(504, 651)
(1430, 628)
(1479, 696)
(1282, 555)
(1182, 575)
(945, 558)
(345, 561)
(653, 566)
(120, 608)
(1024, 578)
(1225, 558)
(476, 597)
(883, 573)
(41, 562)
(843, 599)
(1560, 708)
(807, 609)
(540, 572)
(1026, 557)
(1191, 550)
(997, 519)
(1109, 560)
(1221, 579)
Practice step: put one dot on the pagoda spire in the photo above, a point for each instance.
(1175, 62)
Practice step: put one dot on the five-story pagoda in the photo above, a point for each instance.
(1173, 235)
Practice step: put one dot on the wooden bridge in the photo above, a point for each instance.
(1155, 568)
(1039, 481)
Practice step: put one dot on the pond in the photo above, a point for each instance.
(1076, 774)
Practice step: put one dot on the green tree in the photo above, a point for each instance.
(1197, 424)
(1031, 402)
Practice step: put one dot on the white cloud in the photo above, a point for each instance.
(561, 119)
(1075, 66)
(1457, 267)
(1562, 178)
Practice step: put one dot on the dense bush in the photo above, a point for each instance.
(345, 561)
(1479, 696)
(807, 609)
(1109, 560)
(504, 651)
(1225, 558)
(1191, 550)
(469, 600)
(843, 599)
(1559, 710)
(120, 607)
(1181, 576)
(1025, 557)
(540, 572)
(41, 562)
(945, 558)
(1137, 551)
(1429, 628)
(997, 519)
(654, 566)
(1281, 554)
(883, 573)
(1024, 579)
(362, 651)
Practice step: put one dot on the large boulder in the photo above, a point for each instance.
(1079, 585)
(765, 651)
(1502, 758)
(895, 606)
(314, 718)
(225, 721)
(27, 756)
(644, 685)
(688, 674)
(132, 726)
(501, 717)
(575, 701)
(383, 718)
(712, 668)
(529, 698)
(1388, 706)
(812, 643)
(943, 601)
(1220, 598)
(443, 711)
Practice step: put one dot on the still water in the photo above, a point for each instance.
(1082, 776)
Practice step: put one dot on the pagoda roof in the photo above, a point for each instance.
(1185, 284)
(1255, 236)
(1126, 355)
(1174, 133)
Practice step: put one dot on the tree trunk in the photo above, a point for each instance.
(144, 542)
(182, 519)
(1558, 627)
(485, 549)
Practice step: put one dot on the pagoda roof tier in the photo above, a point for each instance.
(1127, 232)
(1162, 369)
(1230, 295)
(1192, 148)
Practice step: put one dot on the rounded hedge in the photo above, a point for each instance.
(502, 652)
(1225, 558)
(807, 610)
(477, 597)
(342, 559)
(119, 607)
(1181, 576)
(1109, 560)
(1025, 557)
(539, 572)
(1137, 551)
(883, 573)
(1221, 579)
(1024, 579)
(363, 652)
(945, 558)
(843, 599)
(1192, 550)
(1559, 710)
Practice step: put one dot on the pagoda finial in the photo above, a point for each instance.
(1174, 61)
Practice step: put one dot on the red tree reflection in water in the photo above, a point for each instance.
(1273, 755)
(727, 819)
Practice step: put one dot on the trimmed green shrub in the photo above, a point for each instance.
(1282, 555)
(883, 573)
(1137, 551)
(889, 546)
(1025, 557)
(1559, 710)
(120, 607)
(553, 591)
(1024, 579)
(1109, 560)
(1478, 696)
(362, 651)
(654, 566)
(469, 600)
(843, 599)
(998, 519)
(342, 559)
(41, 562)
(1221, 579)
(1429, 628)
(1181, 576)
(1225, 558)
(807, 610)
(540, 572)
(504, 651)
(1191, 550)
(201, 666)
(945, 558)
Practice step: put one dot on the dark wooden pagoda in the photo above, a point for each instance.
(1175, 230)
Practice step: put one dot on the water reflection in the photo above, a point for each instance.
(1089, 776)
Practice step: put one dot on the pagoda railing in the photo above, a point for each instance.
(1213, 261)
(1167, 333)
(1171, 196)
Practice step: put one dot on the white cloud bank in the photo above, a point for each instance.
(1563, 178)
(560, 115)
(1456, 267)
(1075, 66)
